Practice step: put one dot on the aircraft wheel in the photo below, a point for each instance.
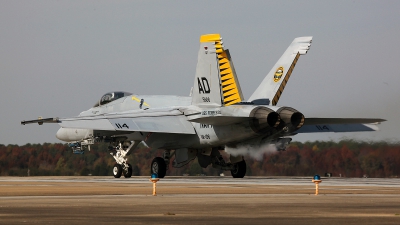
(129, 173)
(159, 167)
(117, 170)
(240, 170)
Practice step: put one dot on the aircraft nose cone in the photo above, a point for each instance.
(62, 134)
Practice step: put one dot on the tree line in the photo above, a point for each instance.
(346, 158)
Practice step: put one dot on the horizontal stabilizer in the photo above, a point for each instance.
(337, 128)
(316, 121)
(318, 125)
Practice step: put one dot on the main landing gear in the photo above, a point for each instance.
(239, 169)
(160, 165)
(237, 165)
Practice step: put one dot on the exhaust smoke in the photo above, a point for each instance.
(255, 152)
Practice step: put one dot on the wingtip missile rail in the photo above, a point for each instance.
(40, 121)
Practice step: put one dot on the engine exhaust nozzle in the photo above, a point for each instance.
(264, 119)
(292, 118)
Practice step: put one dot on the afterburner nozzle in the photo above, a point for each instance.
(292, 118)
(264, 119)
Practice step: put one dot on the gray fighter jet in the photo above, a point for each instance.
(213, 117)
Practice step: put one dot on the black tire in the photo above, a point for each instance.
(129, 173)
(117, 170)
(240, 169)
(159, 167)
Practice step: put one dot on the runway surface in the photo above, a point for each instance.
(198, 200)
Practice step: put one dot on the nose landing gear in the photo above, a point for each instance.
(120, 153)
(118, 170)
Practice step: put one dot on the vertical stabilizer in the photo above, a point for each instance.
(272, 86)
(215, 82)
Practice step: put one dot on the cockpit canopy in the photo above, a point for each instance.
(111, 96)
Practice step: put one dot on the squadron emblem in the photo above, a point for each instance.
(278, 74)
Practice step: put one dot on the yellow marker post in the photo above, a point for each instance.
(316, 181)
(154, 180)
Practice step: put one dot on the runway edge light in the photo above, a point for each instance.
(154, 178)
(316, 180)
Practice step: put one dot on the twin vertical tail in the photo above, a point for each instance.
(216, 83)
(271, 88)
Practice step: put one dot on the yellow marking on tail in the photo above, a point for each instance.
(230, 90)
(210, 37)
(284, 82)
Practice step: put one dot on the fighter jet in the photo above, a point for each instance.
(213, 117)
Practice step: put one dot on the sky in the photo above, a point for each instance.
(57, 58)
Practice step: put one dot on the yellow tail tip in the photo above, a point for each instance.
(210, 37)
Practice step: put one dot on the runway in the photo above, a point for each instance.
(198, 200)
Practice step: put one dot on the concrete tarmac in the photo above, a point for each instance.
(198, 200)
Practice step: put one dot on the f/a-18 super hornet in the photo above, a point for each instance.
(213, 117)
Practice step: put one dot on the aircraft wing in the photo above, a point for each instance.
(318, 125)
(158, 121)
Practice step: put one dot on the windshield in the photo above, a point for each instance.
(111, 96)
